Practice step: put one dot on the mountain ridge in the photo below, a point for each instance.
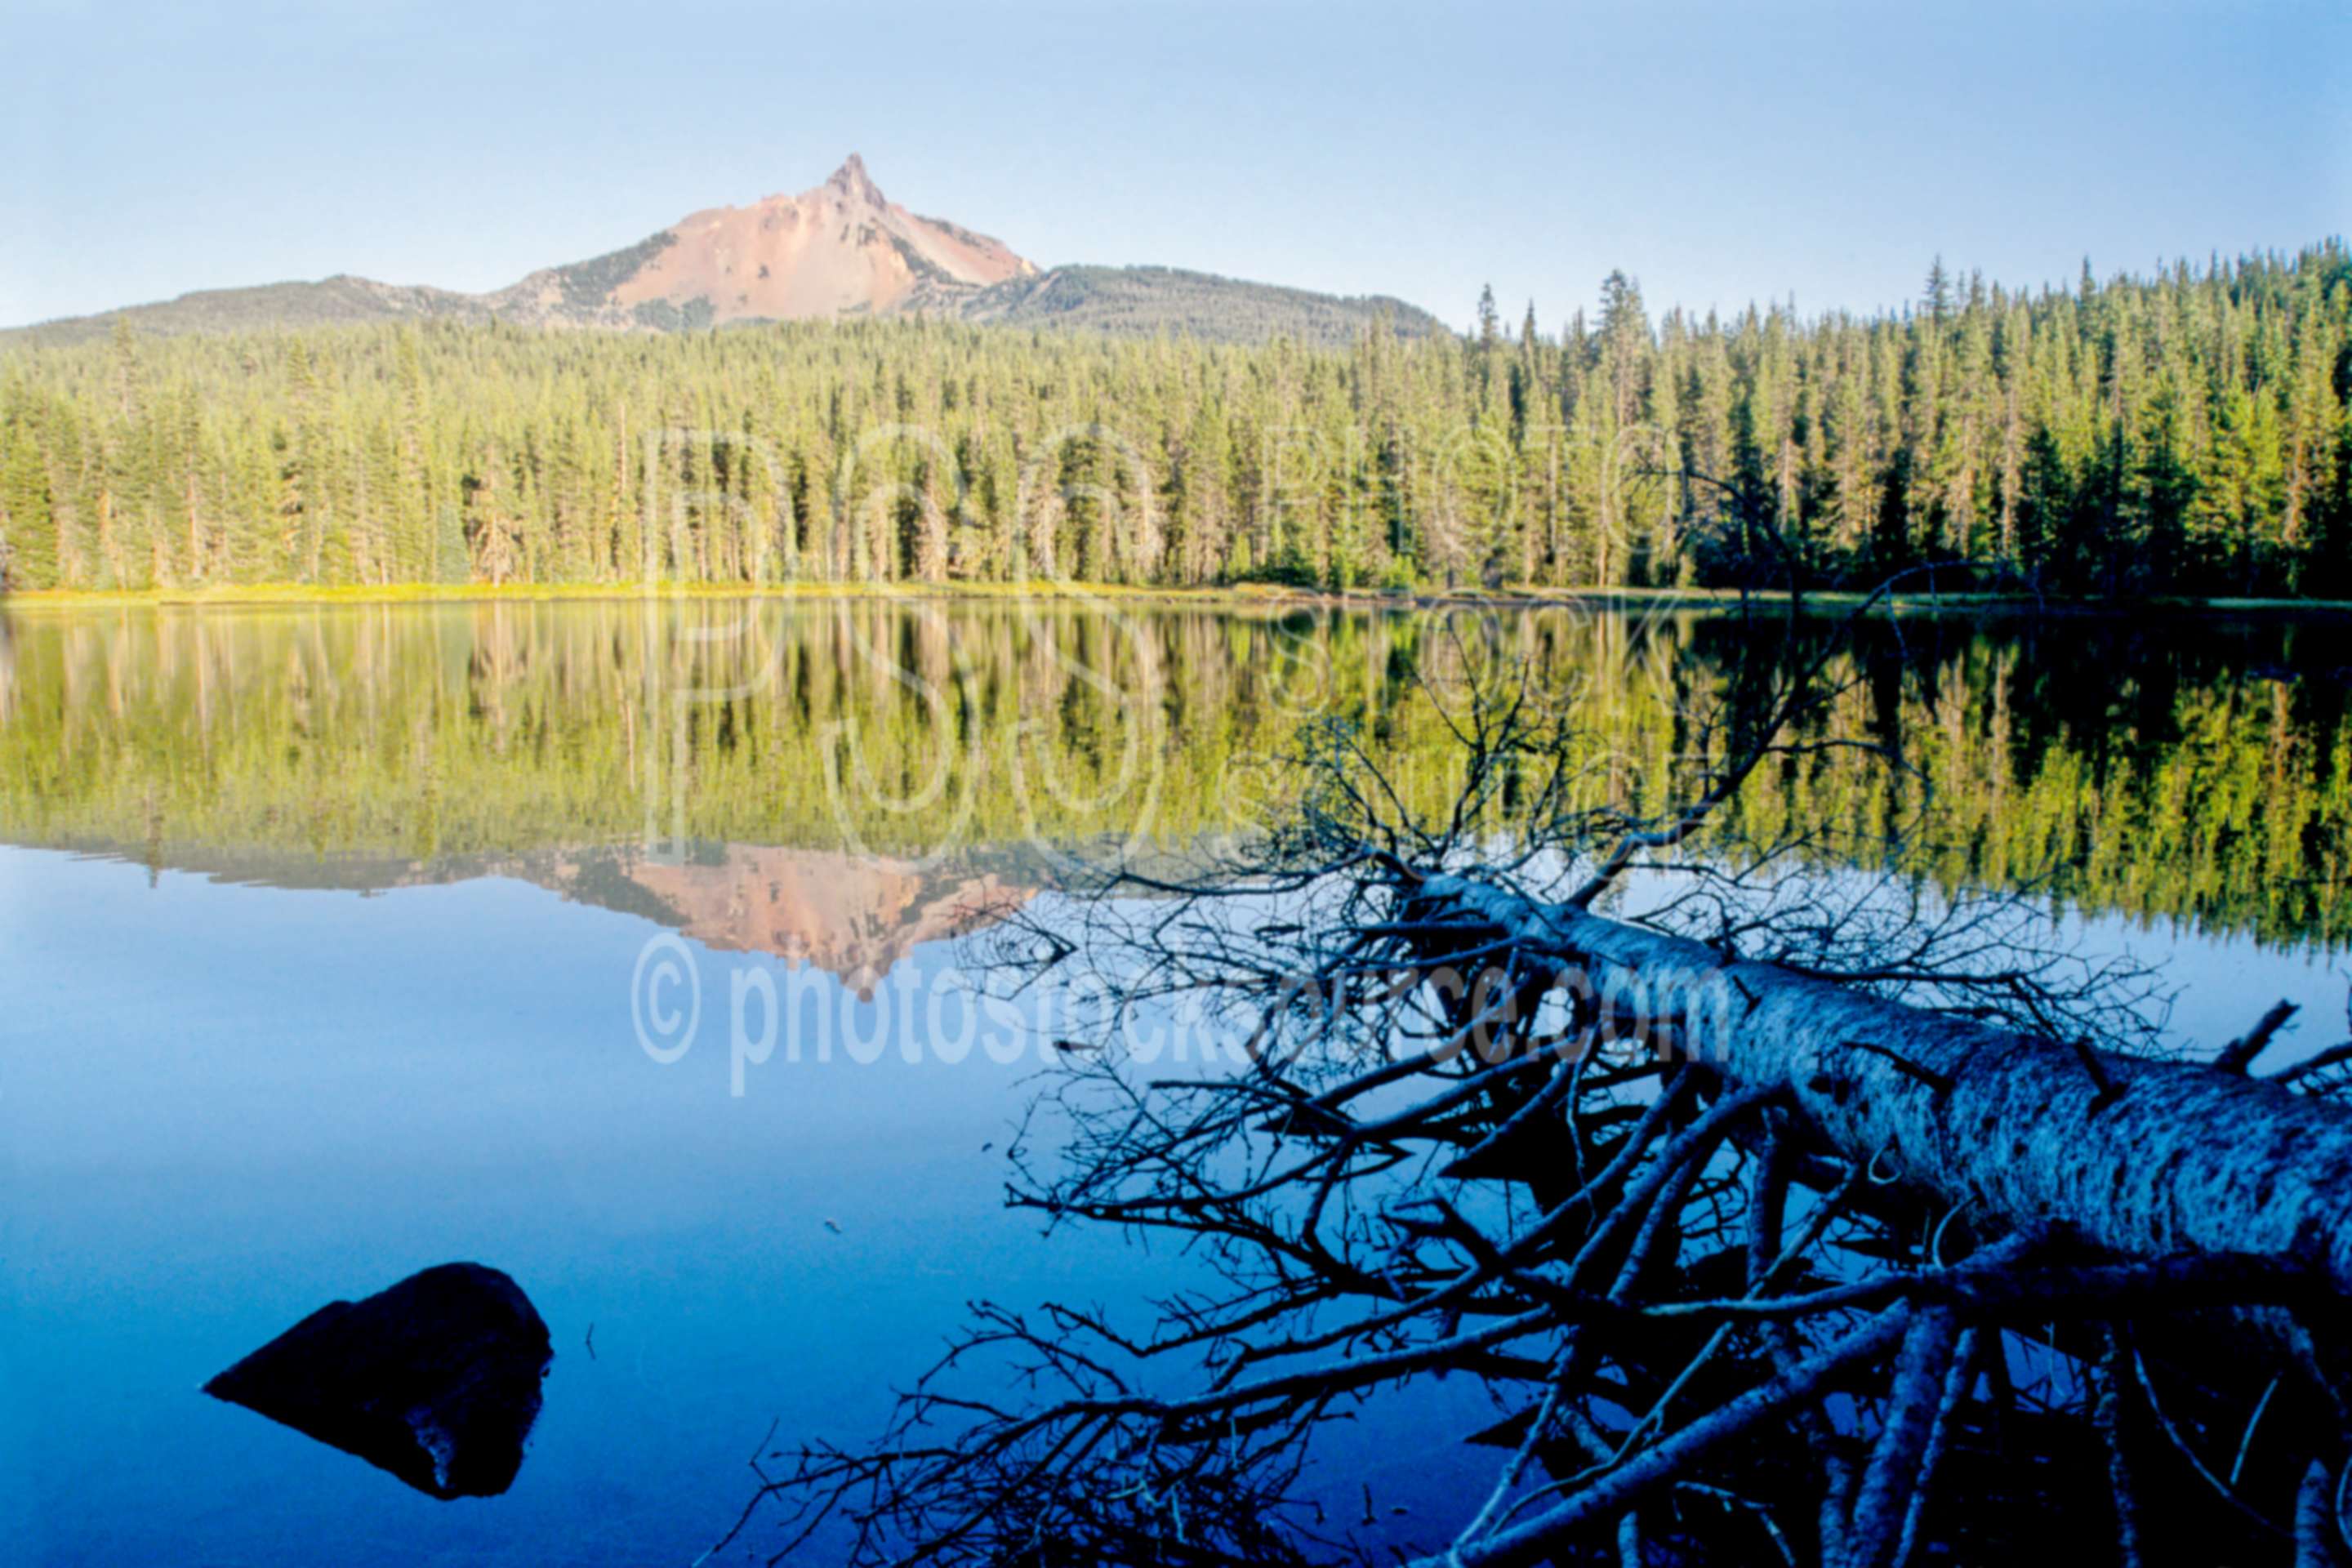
(837, 250)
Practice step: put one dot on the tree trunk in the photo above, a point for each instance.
(2139, 1156)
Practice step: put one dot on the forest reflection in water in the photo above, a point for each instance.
(833, 781)
(274, 1093)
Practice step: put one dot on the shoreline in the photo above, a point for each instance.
(263, 596)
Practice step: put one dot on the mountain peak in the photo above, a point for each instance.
(840, 249)
(851, 181)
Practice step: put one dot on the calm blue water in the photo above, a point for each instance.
(224, 1104)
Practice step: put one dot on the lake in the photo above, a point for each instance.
(616, 944)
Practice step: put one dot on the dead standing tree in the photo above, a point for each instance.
(1799, 1219)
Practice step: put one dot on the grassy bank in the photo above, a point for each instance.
(1234, 596)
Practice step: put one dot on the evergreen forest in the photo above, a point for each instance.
(2185, 432)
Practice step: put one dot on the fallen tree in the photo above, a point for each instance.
(2135, 1156)
(2195, 1184)
(1784, 1216)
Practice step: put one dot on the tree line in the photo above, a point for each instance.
(2181, 433)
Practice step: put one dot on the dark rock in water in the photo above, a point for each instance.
(436, 1379)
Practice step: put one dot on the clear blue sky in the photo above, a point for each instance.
(1721, 154)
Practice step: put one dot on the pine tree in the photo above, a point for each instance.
(28, 526)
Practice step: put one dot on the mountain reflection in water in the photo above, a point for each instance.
(856, 919)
